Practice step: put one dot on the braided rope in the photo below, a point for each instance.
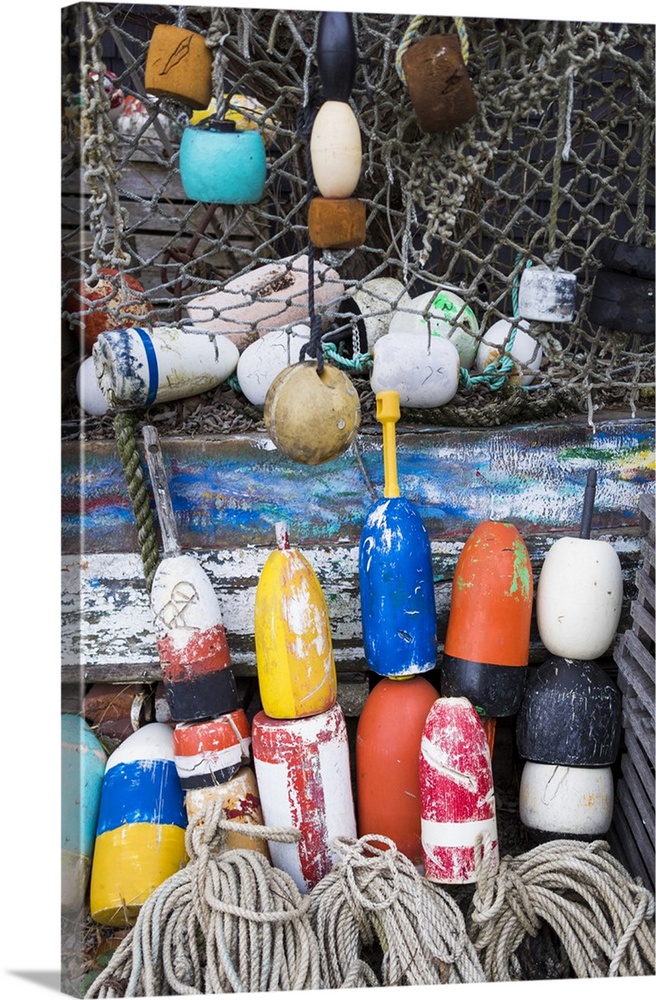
(375, 895)
(124, 431)
(603, 917)
(229, 922)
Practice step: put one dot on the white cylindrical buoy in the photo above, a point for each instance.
(138, 367)
(424, 371)
(266, 357)
(191, 641)
(525, 351)
(211, 751)
(303, 775)
(575, 802)
(267, 298)
(336, 150)
(579, 598)
(547, 294)
(456, 792)
(141, 826)
(83, 761)
(440, 312)
(87, 387)
(239, 798)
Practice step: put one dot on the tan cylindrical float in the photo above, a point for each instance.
(239, 798)
(179, 66)
(337, 223)
(303, 774)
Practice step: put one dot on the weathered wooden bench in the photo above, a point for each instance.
(228, 493)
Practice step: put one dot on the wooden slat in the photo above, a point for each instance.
(630, 810)
(644, 767)
(625, 849)
(644, 811)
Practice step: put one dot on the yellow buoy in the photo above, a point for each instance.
(293, 643)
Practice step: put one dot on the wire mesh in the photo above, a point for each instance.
(559, 156)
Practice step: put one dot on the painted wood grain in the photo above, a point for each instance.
(229, 492)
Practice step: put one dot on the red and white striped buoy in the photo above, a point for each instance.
(209, 752)
(302, 768)
(456, 792)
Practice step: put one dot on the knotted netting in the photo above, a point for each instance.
(558, 157)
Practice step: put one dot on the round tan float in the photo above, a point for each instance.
(312, 418)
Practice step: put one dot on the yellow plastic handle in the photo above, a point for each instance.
(388, 411)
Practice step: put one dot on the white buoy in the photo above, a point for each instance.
(267, 298)
(89, 394)
(424, 371)
(371, 308)
(580, 591)
(266, 357)
(579, 598)
(137, 367)
(526, 353)
(439, 312)
(336, 150)
(565, 801)
(547, 294)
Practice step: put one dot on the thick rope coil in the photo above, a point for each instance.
(229, 922)
(124, 427)
(375, 896)
(603, 917)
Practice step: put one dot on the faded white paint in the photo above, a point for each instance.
(569, 800)
(183, 600)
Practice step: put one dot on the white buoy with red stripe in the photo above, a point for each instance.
(191, 640)
(580, 591)
(303, 774)
(456, 791)
(211, 751)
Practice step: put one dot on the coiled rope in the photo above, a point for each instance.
(375, 896)
(603, 917)
(229, 922)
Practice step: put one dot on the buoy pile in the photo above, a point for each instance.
(300, 741)
(569, 723)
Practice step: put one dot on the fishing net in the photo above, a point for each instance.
(558, 157)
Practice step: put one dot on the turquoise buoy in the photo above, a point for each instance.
(220, 164)
(83, 760)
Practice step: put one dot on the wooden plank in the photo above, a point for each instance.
(643, 629)
(645, 589)
(642, 663)
(643, 766)
(628, 806)
(625, 849)
(645, 809)
(229, 492)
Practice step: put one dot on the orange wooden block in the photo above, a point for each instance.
(179, 66)
(337, 223)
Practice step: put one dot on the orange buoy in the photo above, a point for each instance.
(456, 792)
(486, 647)
(387, 761)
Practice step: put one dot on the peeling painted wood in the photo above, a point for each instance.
(229, 492)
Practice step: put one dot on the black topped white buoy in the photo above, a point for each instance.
(571, 714)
